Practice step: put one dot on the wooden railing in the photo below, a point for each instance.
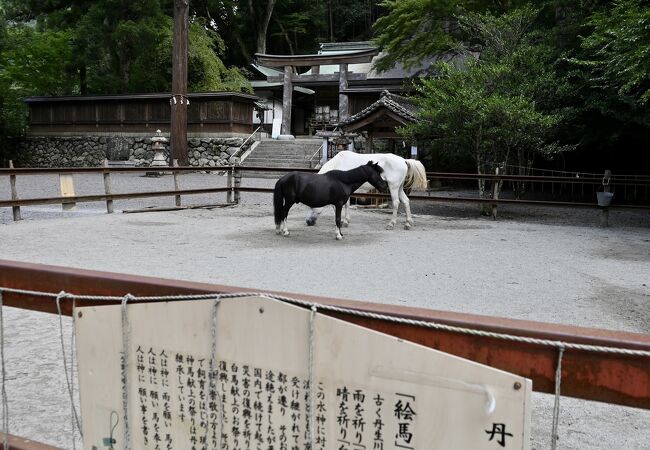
(234, 187)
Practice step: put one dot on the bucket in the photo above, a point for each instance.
(604, 198)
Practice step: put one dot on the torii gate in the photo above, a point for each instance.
(315, 61)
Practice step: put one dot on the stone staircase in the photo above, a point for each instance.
(294, 154)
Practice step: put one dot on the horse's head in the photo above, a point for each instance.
(375, 177)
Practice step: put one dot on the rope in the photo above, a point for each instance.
(365, 314)
(72, 366)
(125, 370)
(75, 417)
(212, 377)
(312, 316)
(556, 406)
(5, 401)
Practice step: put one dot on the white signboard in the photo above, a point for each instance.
(370, 390)
(275, 129)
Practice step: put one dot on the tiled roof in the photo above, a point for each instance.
(398, 104)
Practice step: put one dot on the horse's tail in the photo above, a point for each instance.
(278, 201)
(416, 175)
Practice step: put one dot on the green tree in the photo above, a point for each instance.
(617, 53)
(501, 109)
(414, 30)
(465, 111)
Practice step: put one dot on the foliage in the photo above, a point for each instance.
(499, 109)
(414, 30)
(294, 27)
(118, 46)
(587, 63)
(206, 71)
(467, 110)
(619, 48)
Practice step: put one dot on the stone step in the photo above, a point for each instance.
(295, 154)
(287, 159)
(292, 165)
(284, 151)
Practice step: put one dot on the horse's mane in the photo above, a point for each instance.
(352, 174)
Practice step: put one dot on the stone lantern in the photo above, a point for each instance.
(158, 147)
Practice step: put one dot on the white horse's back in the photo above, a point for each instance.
(398, 172)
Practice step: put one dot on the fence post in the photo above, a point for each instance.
(231, 176)
(177, 184)
(108, 188)
(495, 194)
(238, 175)
(604, 212)
(66, 184)
(14, 193)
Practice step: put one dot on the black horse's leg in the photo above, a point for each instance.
(338, 207)
(289, 201)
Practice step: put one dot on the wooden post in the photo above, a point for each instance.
(14, 193)
(179, 84)
(66, 184)
(323, 151)
(177, 184)
(495, 195)
(231, 175)
(343, 97)
(604, 212)
(238, 174)
(287, 96)
(108, 188)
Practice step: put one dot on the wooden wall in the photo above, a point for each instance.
(207, 113)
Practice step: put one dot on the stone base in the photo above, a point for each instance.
(286, 137)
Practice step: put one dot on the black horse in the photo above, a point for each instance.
(318, 190)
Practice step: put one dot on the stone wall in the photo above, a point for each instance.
(90, 151)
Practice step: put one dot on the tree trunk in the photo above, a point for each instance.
(125, 69)
(83, 80)
(286, 37)
(484, 207)
(523, 169)
(263, 26)
(329, 6)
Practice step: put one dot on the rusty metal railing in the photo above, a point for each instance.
(606, 377)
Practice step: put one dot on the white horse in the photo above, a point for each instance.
(399, 173)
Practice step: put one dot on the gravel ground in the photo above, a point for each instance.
(551, 265)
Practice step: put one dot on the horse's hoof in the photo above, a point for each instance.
(407, 226)
(285, 233)
(345, 224)
(339, 237)
(390, 226)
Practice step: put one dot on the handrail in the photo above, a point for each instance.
(316, 153)
(245, 141)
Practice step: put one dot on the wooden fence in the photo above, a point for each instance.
(234, 188)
